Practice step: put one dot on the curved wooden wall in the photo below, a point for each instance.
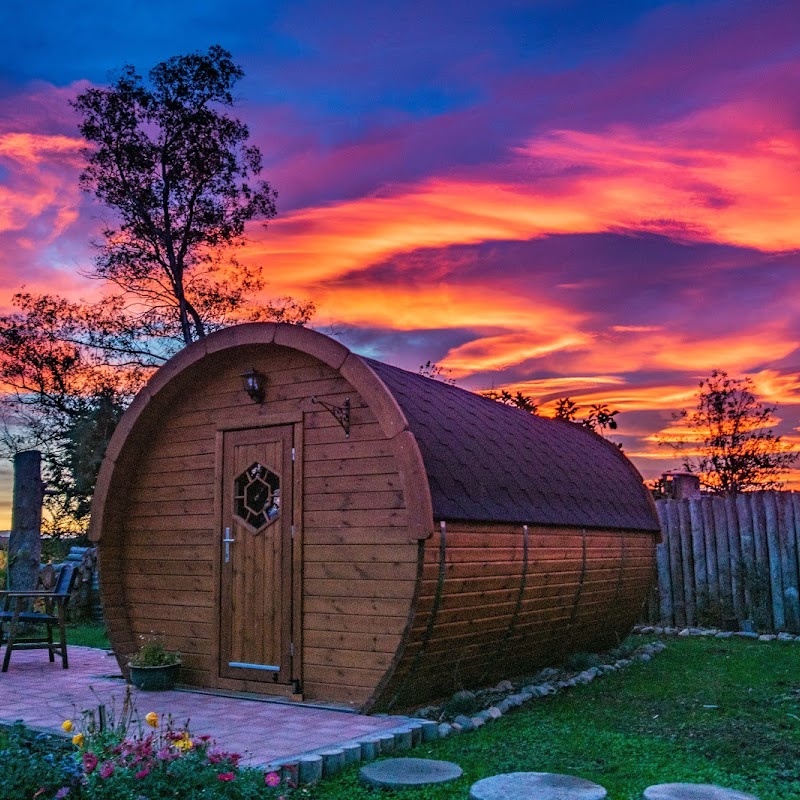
(386, 618)
(500, 600)
(155, 513)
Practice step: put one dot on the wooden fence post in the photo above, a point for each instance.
(774, 551)
(24, 542)
(690, 598)
(788, 561)
(735, 558)
(711, 556)
(747, 568)
(662, 564)
(723, 561)
(675, 566)
(764, 603)
(699, 560)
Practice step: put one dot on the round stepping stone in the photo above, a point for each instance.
(536, 786)
(409, 772)
(694, 791)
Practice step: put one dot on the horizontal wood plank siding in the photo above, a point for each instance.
(581, 591)
(359, 566)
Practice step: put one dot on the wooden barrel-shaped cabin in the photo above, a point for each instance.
(303, 521)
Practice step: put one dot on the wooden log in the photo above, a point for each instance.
(723, 561)
(709, 543)
(24, 542)
(735, 558)
(795, 546)
(747, 555)
(698, 559)
(675, 566)
(761, 583)
(690, 597)
(788, 560)
(774, 551)
(662, 566)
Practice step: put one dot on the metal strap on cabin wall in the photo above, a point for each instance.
(621, 576)
(520, 595)
(579, 591)
(437, 601)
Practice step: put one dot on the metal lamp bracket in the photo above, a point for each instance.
(340, 413)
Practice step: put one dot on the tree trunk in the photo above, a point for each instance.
(25, 544)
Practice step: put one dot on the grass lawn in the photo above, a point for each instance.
(88, 634)
(723, 711)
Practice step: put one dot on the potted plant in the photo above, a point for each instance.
(153, 667)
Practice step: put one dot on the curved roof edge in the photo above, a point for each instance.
(168, 380)
(464, 457)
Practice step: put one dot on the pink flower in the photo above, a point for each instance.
(89, 763)
(142, 773)
(106, 769)
(225, 776)
(234, 758)
(272, 779)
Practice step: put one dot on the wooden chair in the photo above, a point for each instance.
(20, 609)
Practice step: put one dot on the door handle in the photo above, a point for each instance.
(227, 539)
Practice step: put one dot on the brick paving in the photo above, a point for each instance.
(43, 695)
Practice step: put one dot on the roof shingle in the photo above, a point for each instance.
(488, 462)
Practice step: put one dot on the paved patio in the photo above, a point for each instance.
(43, 695)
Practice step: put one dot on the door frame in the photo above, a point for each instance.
(293, 689)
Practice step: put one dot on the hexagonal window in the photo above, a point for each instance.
(258, 496)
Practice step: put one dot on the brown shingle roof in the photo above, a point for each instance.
(489, 462)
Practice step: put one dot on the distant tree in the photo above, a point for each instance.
(181, 180)
(430, 369)
(599, 419)
(176, 169)
(518, 400)
(737, 449)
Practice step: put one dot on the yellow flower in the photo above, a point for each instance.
(77, 739)
(66, 725)
(184, 743)
(152, 719)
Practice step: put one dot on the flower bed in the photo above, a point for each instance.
(126, 759)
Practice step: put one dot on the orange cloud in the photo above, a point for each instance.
(33, 148)
(501, 352)
(727, 175)
(42, 179)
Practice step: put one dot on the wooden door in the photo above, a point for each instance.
(256, 556)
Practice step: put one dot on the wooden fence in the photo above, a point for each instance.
(728, 560)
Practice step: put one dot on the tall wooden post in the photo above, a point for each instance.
(24, 543)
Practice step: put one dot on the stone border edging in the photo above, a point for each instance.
(717, 633)
(311, 766)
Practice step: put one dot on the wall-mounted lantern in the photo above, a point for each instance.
(255, 385)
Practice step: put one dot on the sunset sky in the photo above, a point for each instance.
(599, 200)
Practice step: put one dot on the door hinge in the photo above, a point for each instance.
(294, 453)
(291, 649)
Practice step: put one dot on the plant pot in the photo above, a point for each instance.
(154, 679)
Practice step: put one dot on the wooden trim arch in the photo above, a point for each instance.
(184, 373)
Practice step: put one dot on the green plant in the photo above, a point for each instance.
(152, 653)
(154, 756)
(35, 764)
